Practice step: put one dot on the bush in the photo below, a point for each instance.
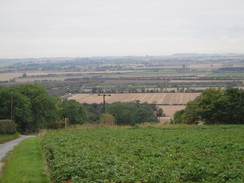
(56, 124)
(178, 117)
(107, 119)
(7, 127)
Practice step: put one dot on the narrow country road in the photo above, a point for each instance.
(8, 146)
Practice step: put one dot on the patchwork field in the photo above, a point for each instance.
(156, 98)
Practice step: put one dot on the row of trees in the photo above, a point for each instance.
(132, 113)
(31, 107)
(214, 106)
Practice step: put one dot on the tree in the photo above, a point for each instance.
(159, 112)
(24, 75)
(94, 90)
(191, 113)
(32, 107)
(74, 111)
(235, 106)
(215, 106)
(177, 119)
(131, 113)
(21, 108)
(44, 107)
(93, 112)
(211, 106)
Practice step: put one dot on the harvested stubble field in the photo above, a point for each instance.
(9, 76)
(200, 81)
(169, 110)
(157, 98)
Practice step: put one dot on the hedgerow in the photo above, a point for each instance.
(7, 127)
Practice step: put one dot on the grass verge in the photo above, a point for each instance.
(25, 163)
(5, 138)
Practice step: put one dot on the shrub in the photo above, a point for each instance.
(7, 127)
(107, 119)
(56, 124)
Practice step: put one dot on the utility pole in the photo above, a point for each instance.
(104, 95)
(11, 105)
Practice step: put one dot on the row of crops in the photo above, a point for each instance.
(148, 154)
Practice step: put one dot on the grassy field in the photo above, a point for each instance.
(147, 154)
(26, 164)
(216, 75)
(5, 138)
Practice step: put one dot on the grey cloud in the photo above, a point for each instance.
(81, 28)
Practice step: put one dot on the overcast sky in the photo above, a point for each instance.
(80, 28)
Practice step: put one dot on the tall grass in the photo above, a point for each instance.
(5, 138)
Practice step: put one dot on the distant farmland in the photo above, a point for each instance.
(157, 98)
(169, 102)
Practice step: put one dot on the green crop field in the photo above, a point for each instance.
(239, 75)
(146, 154)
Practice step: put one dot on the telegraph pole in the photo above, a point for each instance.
(104, 95)
(11, 105)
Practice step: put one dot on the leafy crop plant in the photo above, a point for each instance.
(146, 154)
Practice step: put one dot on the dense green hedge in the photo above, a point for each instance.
(7, 127)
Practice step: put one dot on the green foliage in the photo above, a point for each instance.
(5, 138)
(74, 111)
(160, 112)
(151, 154)
(177, 119)
(235, 106)
(93, 112)
(44, 107)
(191, 113)
(21, 107)
(7, 127)
(131, 113)
(215, 106)
(32, 106)
(107, 119)
(211, 105)
(57, 124)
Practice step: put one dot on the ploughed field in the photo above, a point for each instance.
(157, 98)
(146, 154)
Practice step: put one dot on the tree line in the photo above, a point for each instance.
(214, 106)
(32, 108)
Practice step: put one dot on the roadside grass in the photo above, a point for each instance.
(26, 164)
(5, 138)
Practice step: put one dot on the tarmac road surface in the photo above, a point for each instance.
(8, 146)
